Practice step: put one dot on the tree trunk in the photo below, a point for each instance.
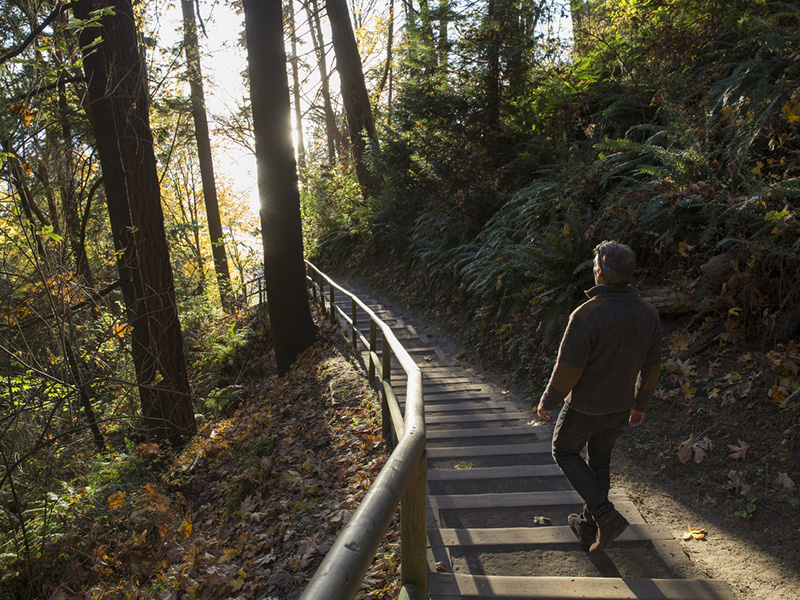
(444, 38)
(493, 68)
(298, 109)
(354, 95)
(168, 412)
(101, 115)
(293, 329)
(331, 129)
(204, 153)
(579, 10)
(387, 67)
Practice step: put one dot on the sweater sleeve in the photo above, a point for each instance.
(572, 357)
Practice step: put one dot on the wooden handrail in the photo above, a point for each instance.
(403, 479)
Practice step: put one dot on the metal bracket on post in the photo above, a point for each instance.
(373, 338)
(354, 317)
(386, 416)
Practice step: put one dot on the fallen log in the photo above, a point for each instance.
(669, 301)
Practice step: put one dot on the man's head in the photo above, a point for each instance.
(615, 262)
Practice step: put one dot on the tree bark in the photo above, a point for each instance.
(167, 412)
(360, 120)
(203, 140)
(101, 115)
(293, 329)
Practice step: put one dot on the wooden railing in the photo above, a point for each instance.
(403, 479)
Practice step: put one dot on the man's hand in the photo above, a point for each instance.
(636, 417)
(544, 415)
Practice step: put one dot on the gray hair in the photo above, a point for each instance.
(616, 261)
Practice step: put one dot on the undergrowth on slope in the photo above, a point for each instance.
(248, 509)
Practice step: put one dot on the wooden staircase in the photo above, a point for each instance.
(498, 505)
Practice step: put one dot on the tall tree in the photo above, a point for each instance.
(120, 119)
(331, 129)
(360, 120)
(298, 109)
(192, 49)
(293, 329)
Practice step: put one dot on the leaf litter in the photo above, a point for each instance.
(250, 507)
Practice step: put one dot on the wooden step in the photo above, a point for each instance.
(448, 585)
(478, 473)
(514, 499)
(529, 536)
(485, 432)
(470, 405)
(482, 451)
(484, 418)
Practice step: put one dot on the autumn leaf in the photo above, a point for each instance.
(25, 115)
(701, 448)
(791, 112)
(786, 482)
(684, 450)
(680, 342)
(695, 533)
(464, 465)
(684, 248)
(692, 447)
(186, 528)
(738, 452)
(237, 583)
(735, 483)
(115, 500)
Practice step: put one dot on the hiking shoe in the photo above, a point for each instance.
(585, 538)
(608, 533)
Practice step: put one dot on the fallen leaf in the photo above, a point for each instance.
(692, 447)
(680, 342)
(186, 528)
(115, 500)
(695, 533)
(786, 481)
(735, 483)
(464, 465)
(441, 567)
(738, 452)
(684, 450)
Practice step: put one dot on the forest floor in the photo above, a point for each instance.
(715, 453)
(250, 507)
(246, 511)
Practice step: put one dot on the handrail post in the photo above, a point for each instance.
(414, 529)
(386, 415)
(333, 304)
(353, 317)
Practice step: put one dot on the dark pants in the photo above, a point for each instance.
(597, 433)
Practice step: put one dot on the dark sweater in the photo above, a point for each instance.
(610, 355)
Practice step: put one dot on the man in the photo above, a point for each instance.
(606, 372)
